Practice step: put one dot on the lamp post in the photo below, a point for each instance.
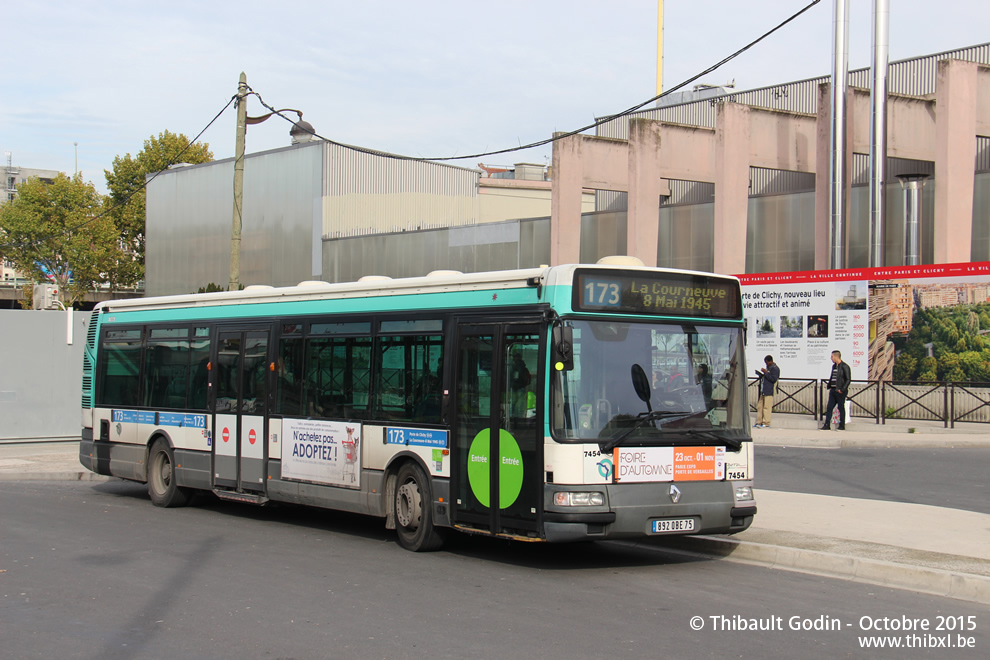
(301, 131)
(235, 234)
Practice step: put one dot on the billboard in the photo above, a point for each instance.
(915, 323)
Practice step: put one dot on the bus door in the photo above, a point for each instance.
(497, 448)
(240, 374)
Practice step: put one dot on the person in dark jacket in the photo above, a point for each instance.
(838, 388)
(769, 375)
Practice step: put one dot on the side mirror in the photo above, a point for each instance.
(562, 347)
(641, 383)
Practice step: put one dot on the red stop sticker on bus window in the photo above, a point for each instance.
(226, 434)
(252, 436)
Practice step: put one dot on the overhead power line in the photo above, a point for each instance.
(385, 154)
(127, 198)
(558, 136)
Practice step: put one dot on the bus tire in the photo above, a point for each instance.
(162, 487)
(414, 510)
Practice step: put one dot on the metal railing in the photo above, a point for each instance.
(945, 401)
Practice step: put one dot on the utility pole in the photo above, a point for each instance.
(659, 47)
(235, 234)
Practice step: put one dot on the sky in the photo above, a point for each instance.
(86, 81)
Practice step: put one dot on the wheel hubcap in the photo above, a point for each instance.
(164, 471)
(407, 505)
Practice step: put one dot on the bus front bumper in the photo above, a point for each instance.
(630, 511)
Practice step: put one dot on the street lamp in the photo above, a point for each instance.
(301, 131)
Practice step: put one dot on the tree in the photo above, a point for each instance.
(127, 180)
(904, 366)
(56, 233)
(928, 370)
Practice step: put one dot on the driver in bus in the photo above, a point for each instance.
(704, 379)
(519, 382)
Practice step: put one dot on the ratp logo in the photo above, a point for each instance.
(605, 468)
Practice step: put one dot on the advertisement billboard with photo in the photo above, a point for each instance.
(907, 323)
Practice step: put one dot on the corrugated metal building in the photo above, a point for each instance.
(295, 199)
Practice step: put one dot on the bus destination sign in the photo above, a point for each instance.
(658, 293)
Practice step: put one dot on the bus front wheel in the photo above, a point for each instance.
(162, 487)
(414, 511)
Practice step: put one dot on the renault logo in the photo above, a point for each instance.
(675, 494)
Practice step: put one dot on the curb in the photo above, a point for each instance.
(855, 439)
(951, 584)
(84, 475)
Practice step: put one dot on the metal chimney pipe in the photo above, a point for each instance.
(912, 184)
(836, 165)
(878, 130)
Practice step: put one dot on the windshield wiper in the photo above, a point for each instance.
(668, 416)
(653, 416)
(708, 435)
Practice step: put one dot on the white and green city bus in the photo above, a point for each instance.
(564, 403)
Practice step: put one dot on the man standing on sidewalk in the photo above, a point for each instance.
(768, 384)
(838, 387)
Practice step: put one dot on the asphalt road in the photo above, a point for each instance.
(957, 478)
(93, 570)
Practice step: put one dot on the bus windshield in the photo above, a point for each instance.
(691, 383)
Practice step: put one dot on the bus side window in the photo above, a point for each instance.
(336, 375)
(199, 358)
(121, 371)
(288, 377)
(409, 383)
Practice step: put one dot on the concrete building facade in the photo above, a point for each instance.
(760, 162)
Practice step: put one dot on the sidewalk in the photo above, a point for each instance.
(922, 548)
(43, 461)
(804, 431)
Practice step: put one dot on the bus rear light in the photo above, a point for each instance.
(583, 498)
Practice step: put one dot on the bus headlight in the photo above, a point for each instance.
(582, 498)
(744, 493)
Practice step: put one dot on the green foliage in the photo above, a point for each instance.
(972, 323)
(952, 334)
(905, 367)
(213, 288)
(54, 232)
(127, 179)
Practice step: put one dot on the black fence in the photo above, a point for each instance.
(946, 402)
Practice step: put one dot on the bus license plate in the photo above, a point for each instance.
(675, 525)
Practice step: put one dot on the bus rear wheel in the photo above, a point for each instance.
(162, 487)
(414, 511)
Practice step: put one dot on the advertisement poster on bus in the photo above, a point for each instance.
(654, 464)
(906, 323)
(322, 452)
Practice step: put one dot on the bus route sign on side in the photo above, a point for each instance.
(416, 437)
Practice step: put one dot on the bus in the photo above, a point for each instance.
(564, 403)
